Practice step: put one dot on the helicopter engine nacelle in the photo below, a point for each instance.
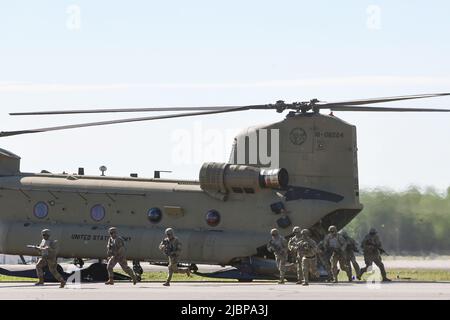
(222, 178)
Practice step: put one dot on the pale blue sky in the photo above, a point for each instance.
(148, 53)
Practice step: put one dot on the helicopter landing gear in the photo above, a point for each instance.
(193, 267)
(138, 271)
(78, 262)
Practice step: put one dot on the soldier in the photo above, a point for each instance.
(48, 250)
(293, 245)
(171, 247)
(116, 254)
(324, 257)
(336, 243)
(279, 246)
(308, 249)
(350, 250)
(372, 248)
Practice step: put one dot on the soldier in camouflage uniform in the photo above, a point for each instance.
(372, 248)
(336, 243)
(351, 248)
(293, 246)
(171, 247)
(116, 254)
(279, 246)
(324, 257)
(308, 249)
(48, 250)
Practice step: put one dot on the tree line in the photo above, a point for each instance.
(410, 222)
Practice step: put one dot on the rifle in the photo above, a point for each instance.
(382, 251)
(167, 248)
(32, 246)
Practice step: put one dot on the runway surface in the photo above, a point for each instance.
(228, 291)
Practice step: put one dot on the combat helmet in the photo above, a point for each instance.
(332, 229)
(305, 233)
(112, 229)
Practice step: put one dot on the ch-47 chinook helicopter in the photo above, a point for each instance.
(224, 217)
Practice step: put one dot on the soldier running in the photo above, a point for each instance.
(48, 250)
(308, 249)
(279, 246)
(324, 258)
(171, 247)
(293, 246)
(350, 250)
(116, 254)
(372, 248)
(336, 243)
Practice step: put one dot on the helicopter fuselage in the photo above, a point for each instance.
(319, 153)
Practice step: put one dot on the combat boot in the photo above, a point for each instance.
(110, 281)
(305, 284)
(40, 282)
(386, 279)
(166, 284)
(62, 284)
(358, 275)
(188, 272)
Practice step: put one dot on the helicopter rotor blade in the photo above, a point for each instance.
(158, 109)
(86, 111)
(381, 109)
(380, 100)
(101, 123)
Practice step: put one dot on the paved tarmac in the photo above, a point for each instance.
(228, 291)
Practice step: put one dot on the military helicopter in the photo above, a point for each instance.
(224, 217)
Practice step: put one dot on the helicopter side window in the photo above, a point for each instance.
(213, 218)
(98, 212)
(40, 210)
(154, 215)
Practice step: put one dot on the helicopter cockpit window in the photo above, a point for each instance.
(154, 215)
(40, 210)
(98, 212)
(212, 218)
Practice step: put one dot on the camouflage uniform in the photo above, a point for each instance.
(116, 254)
(337, 245)
(48, 250)
(309, 250)
(371, 245)
(324, 257)
(171, 247)
(350, 250)
(279, 246)
(293, 246)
